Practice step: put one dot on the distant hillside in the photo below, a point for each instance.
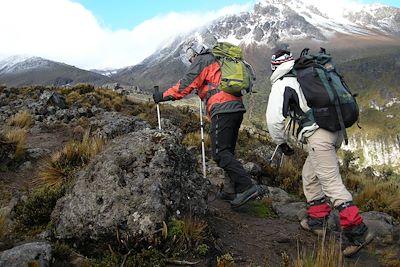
(17, 71)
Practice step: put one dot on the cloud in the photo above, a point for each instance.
(65, 31)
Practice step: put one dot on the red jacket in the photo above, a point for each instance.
(204, 74)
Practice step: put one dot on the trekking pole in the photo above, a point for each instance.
(276, 148)
(156, 89)
(203, 152)
(273, 154)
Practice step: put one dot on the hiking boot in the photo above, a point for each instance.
(315, 225)
(359, 236)
(241, 198)
(225, 196)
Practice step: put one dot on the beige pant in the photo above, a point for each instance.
(321, 175)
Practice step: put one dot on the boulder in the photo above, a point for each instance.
(278, 195)
(29, 254)
(134, 185)
(112, 124)
(252, 168)
(382, 225)
(53, 99)
(291, 211)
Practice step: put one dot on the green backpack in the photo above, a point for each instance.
(237, 75)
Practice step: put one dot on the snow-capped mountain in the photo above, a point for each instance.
(105, 72)
(337, 25)
(18, 63)
(288, 20)
(24, 70)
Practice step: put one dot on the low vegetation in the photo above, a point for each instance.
(225, 260)
(86, 95)
(59, 167)
(37, 208)
(327, 254)
(193, 139)
(3, 224)
(261, 209)
(186, 237)
(22, 119)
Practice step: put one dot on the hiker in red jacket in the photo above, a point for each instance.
(226, 114)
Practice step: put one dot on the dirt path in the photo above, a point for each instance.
(12, 183)
(265, 242)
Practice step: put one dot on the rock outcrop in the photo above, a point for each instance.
(29, 254)
(134, 185)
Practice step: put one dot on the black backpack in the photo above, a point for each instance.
(333, 106)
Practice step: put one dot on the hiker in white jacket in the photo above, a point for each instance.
(321, 178)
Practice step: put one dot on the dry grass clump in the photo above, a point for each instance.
(389, 257)
(225, 260)
(289, 176)
(22, 119)
(187, 232)
(87, 96)
(60, 165)
(328, 254)
(354, 181)
(73, 97)
(17, 136)
(3, 224)
(379, 195)
(193, 139)
(83, 88)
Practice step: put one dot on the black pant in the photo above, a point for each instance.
(224, 133)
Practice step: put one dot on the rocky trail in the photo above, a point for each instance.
(254, 241)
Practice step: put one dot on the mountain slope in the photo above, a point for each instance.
(349, 32)
(19, 71)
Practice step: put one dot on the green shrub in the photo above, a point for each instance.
(202, 249)
(36, 210)
(262, 209)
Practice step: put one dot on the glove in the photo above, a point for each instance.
(286, 149)
(158, 97)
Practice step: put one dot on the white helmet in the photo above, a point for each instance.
(190, 50)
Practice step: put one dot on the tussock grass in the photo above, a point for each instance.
(193, 139)
(289, 176)
(327, 254)
(354, 181)
(73, 97)
(22, 119)
(225, 260)
(187, 232)
(379, 195)
(17, 136)
(57, 168)
(389, 257)
(87, 96)
(193, 230)
(3, 224)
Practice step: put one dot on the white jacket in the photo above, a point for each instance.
(285, 94)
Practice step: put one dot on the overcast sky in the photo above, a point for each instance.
(103, 33)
